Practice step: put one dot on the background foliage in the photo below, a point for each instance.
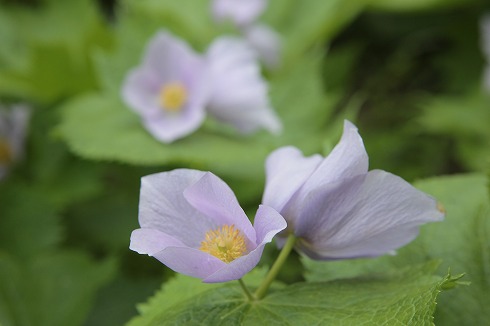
(408, 73)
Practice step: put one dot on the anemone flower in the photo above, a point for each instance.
(168, 90)
(191, 221)
(239, 94)
(337, 209)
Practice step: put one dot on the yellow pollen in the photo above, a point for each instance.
(225, 243)
(5, 152)
(441, 208)
(172, 96)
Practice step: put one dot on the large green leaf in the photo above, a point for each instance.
(462, 242)
(49, 290)
(395, 298)
(116, 133)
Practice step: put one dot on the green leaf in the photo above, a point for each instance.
(463, 119)
(116, 133)
(462, 242)
(393, 298)
(182, 288)
(50, 290)
(47, 47)
(28, 224)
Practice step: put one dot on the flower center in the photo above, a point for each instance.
(5, 152)
(225, 243)
(172, 96)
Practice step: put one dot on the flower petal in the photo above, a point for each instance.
(140, 90)
(168, 127)
(239, 11)
(266, 42)
(189, 261)
(386, 216)
(151, 241)
(213, 197)
(286, 171)
(168, 57)
(164, 208)
(347, 159)
(268, 223)
(239, 94)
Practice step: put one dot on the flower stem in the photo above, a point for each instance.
(249, 295)
(283, 255)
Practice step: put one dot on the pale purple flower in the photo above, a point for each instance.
(338, 209)
(239, 94)
(240, 12)
(191, 221)
(244, 14)
(266, 42)
(169, 89)
(13, 127)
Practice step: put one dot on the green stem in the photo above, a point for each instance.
(249, 295)
(276, 267)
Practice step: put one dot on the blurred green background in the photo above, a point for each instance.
(407, 73)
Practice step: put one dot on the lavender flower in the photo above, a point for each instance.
(337, 209)
(240, 12)
(239, 94)
(168, 90)
(191, 221)
(244, 13)
(13, 126)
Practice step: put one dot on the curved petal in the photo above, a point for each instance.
(164, 208)
(151, 241)
(266, 42)
(168, 127)
(323, 210)
(237, 268)
(268, 222)
(239, 94)
(189, 261)
(140, 90)
(213, 197)
(168, 56)
(347, 159)
(286, 171)
(386, 215)
(238, 11)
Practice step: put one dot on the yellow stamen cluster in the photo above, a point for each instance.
(5, 152)
(225, 243)
(172, 96)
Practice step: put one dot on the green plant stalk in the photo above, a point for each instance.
(276, 267)
(249, 295)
